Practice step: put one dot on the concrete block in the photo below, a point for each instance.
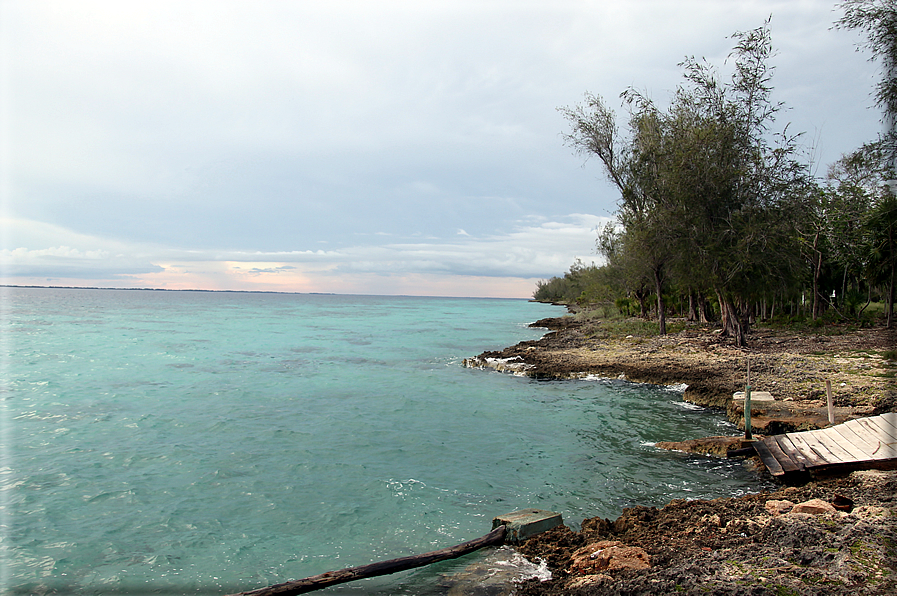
(755, 396)
(525, 523)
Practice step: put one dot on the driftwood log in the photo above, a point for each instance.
(316, 582)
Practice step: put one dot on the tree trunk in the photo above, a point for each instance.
(890, 323)
(642, 307)
(817, 270)
(661, 310)
(728, 316)
(692, 311)
(703, 309)
(844, 287)
(743, 318)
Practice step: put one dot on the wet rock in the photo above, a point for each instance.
(719, 446)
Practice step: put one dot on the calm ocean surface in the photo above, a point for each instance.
(197, 442)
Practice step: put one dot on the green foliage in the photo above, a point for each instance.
(717, 210)
(704, 196)
(878, 20)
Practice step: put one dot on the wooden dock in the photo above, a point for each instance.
(864, 443)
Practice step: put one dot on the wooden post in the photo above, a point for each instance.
(747, 405)
(829, 402)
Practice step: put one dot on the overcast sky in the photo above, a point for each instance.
(374, 147)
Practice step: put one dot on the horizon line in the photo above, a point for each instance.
(150, 289)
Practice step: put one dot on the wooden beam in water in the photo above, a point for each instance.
(316, 582)
(512, 527)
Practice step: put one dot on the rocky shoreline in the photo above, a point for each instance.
(835, 535)
(793, 367)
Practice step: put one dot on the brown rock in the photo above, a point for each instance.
(586, 580)
(607, 555)
(708, 446)
(774, 507)
(814, 507)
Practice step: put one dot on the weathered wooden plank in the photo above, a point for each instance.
(830, 456)
(879, 443)
(790, 454)
(825, 438)
(885, 444)
(869, 430)
(866, 447)
(873, 439)
(814, 458)
(857, 444)
(891, 422)
(884, 433)
(794, 452)
(847, 443)
(787, 464)
(769, 460)
(877, 422)
(886, 451)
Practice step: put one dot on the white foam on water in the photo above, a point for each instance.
(680, 388)
(688, 406)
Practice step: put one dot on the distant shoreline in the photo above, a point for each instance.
(163, 290)
(254, 292)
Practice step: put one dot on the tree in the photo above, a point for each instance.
(633, 165)
(883, 265)
(624, 266)
(854, 184)
(704, 191)
(878, 20)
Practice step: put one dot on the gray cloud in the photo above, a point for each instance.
(377, 132)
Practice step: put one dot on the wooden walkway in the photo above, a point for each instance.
(863, 443)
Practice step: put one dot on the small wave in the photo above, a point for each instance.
(523, 569)
(496, 572)
(688, 406)
(607, 380)
(680, 388)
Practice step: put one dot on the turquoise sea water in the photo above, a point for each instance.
(197, 442)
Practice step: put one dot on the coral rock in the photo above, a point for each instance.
(608, 555)
(814, 507)
(586, 580)
(774, 507)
